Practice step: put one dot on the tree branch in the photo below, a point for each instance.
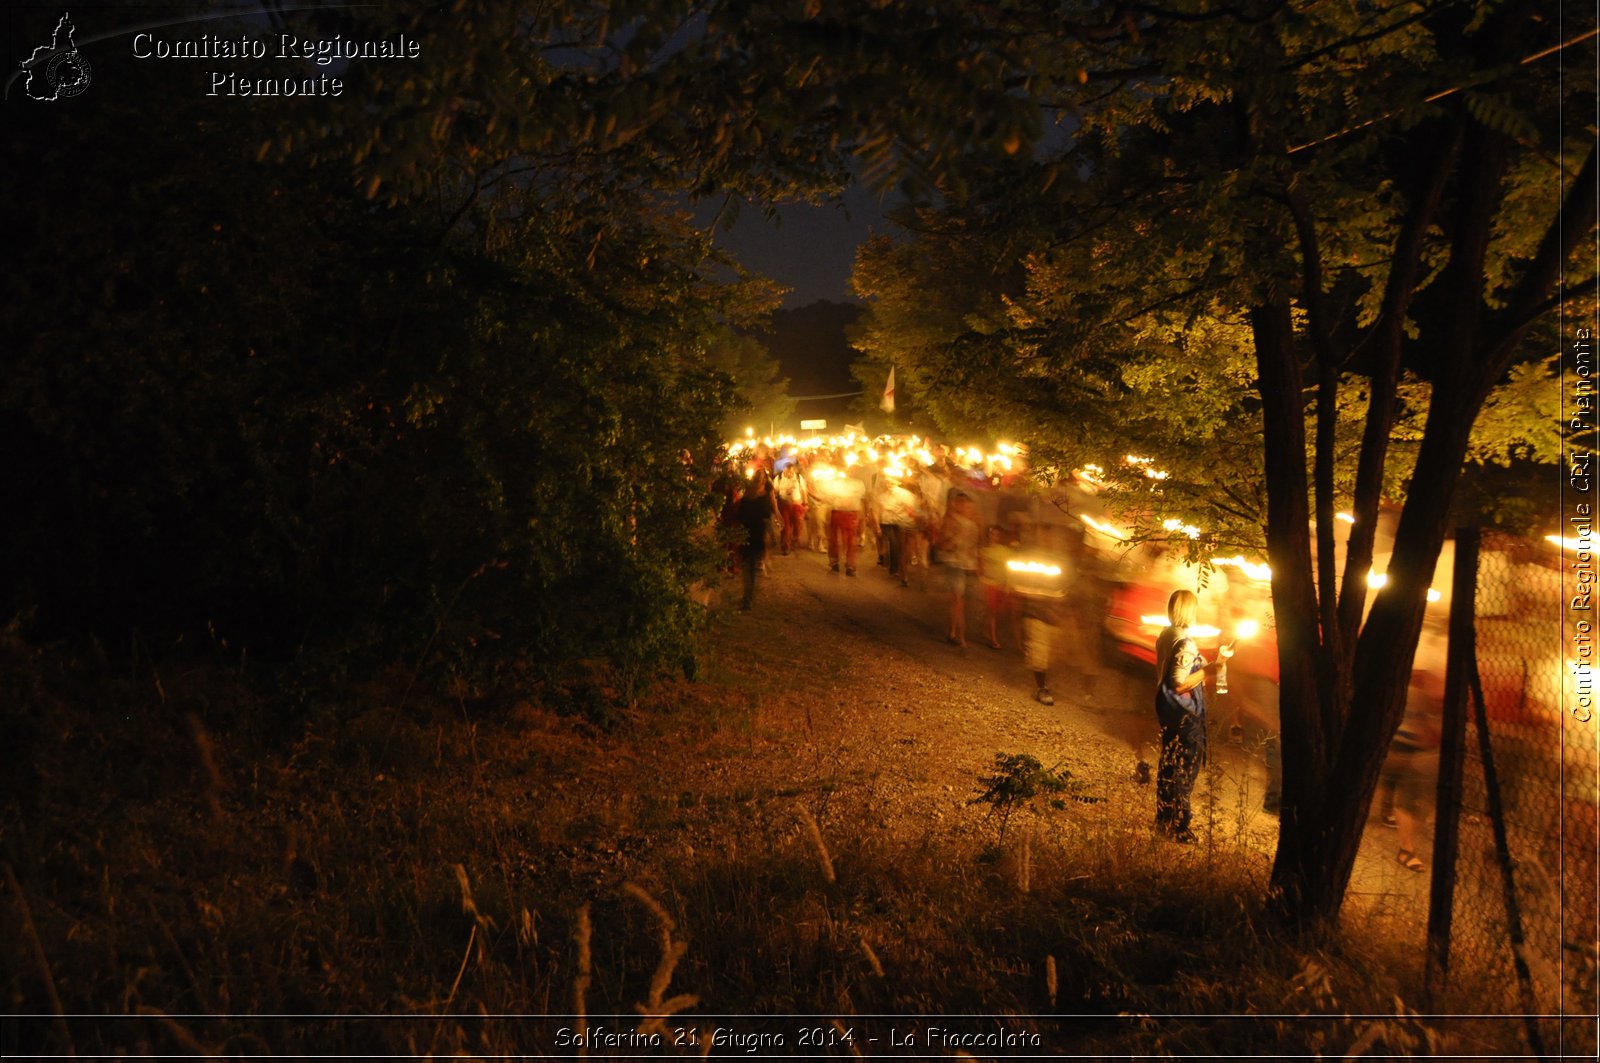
(1572, 225)
(1351, 41)
(1311, 276)
(1388, 332)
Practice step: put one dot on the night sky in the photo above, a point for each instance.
(809, 249)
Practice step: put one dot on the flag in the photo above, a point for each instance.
(888, 393)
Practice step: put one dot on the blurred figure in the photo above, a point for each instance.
(730, 486)
(914, 538)
(958, 548)
(848, 495)
(932, 482)
(1181, 712)
(1081, 609)
(771, 532)
(754, 512)
(872, 507)
(1036, 580)
(1411, 769)
(897, 515)
(819, 511)
(992, 579)
(793, 496)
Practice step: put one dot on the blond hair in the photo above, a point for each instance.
(1181, 608)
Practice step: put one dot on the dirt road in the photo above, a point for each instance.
(913, 721)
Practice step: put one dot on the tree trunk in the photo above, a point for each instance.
(1317, 848)
(1296, 881)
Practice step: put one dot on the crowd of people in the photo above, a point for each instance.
(915, 509)
(935, 517)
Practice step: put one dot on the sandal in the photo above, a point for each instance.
(1410, 861)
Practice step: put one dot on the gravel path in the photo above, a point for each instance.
(903, 723)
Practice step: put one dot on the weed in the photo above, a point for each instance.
(402, 863)
(1019, 779)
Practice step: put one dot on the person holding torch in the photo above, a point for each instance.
(1181, 712)
(1035, 580)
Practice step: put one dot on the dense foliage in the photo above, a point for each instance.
(1034, 324)
(1293, 252)
(303, 418)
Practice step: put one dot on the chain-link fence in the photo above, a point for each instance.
(1528, 889)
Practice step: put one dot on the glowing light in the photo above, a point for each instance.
(1247, 629)
(1570, 544)
(1433, 595)
(1038, 568)
(925, 456)
(1198, 631)
(1377, 580)
(850, 459)
(1252, 569)
(1006, 448)
(1346, 517)
(1156, 474)
(749, 432)
(1103, 529)
(1177, 525)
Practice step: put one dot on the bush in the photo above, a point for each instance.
(272, 412)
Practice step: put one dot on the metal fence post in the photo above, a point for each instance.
(1502, 847)
(1452, 750)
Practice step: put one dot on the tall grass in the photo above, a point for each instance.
(509, 882)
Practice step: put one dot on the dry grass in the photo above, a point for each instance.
(184, 867)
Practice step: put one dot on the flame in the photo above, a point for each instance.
(1254, 570)
(1177, 525)
(1198, 631)
(1103, 529)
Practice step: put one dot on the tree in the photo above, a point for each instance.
(367, 427)
(1367, 190)
(763, 395)
(1344, 673)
